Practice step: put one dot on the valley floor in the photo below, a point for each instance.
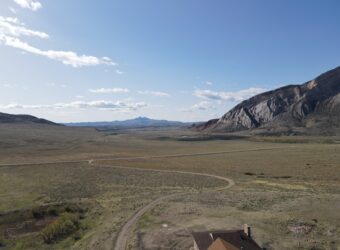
(287, 190)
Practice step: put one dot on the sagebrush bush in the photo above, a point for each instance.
(65, 225)
(38, 213)
(2, 242)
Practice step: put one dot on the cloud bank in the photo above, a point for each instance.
(228, 96)
(100, 104)
(201, 106)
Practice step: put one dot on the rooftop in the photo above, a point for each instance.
(224, 240)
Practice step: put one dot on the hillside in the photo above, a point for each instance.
(23, 119)
(312, 107)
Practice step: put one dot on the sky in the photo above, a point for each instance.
(186, 60)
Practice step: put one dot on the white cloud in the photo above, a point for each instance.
(29, 4)
(66, 57)
(11, 29)
(154, 93)
(10, 26)
(6, 85)
(228, 96)
(109, 90)
(11, 20)
(101, 104)
(209, 83)
(20, 106)
(201, 106)
(119, 72)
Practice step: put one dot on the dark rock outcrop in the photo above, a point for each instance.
(314, 104)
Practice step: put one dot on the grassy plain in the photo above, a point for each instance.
(287, 188)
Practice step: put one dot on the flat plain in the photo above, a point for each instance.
(286, 188)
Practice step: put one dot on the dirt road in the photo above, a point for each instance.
(123, 236)
(191, 154)
(140, 157)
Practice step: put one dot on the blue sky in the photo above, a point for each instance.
(188, 60)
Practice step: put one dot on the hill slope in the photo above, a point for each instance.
(312, 107)
(23, 119)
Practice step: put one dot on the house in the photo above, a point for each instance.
(225, 240)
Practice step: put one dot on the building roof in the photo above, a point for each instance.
(237, 238)
(220, 244)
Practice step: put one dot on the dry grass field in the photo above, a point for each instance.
(287, 188)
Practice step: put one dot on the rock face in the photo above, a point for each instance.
(314, 105)
(24, 119)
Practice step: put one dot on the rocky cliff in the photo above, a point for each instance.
(314, 105)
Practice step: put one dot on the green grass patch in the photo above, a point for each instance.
(145, 221)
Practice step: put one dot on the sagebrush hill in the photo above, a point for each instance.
(311, 108)
(23, 119)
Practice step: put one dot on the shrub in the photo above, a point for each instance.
(74, 208)
(77, 236)
(38, 213)
(52, 211)
(2, 242)
(249, 173)
(62, 227)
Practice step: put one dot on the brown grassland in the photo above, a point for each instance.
(286, 188)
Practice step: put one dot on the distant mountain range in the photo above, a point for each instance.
(138, 122)
(23, 119)
(313, 107)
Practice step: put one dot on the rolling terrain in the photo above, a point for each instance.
(99, 181)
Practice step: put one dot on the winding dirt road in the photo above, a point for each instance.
(123, 236)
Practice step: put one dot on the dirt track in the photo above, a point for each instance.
(123, 236)
(140, 157)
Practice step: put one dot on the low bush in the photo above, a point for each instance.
(52, 211)
(38, 213)
(249, 173)
(77, 236)
(2, 242)
(65, 225)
